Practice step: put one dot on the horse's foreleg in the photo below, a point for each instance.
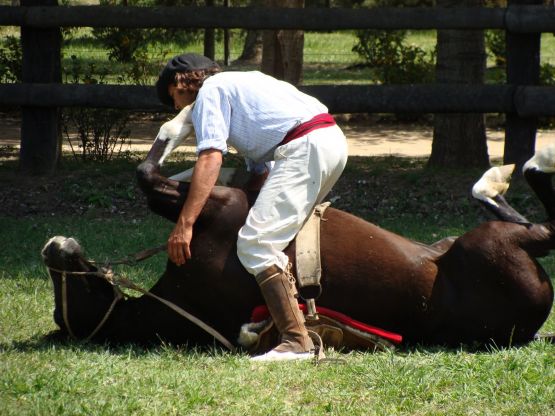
(165, 196)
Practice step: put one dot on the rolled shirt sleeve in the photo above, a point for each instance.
(211, 120)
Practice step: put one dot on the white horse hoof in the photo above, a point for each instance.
(543, 160)
(493, 182)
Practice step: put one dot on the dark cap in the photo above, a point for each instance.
(180, 63)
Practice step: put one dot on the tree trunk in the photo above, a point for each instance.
(282, 54)
(252, 48)
(460, 139)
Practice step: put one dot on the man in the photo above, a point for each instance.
(265, 120)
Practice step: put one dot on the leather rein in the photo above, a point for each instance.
(108, 274)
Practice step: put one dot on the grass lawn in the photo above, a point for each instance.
(41, 376)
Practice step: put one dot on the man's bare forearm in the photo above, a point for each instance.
(204, 178)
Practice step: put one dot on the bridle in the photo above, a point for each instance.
(108, 275)
(116, 281)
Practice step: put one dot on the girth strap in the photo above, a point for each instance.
(307, 252)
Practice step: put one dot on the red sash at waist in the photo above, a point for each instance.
(318, 122)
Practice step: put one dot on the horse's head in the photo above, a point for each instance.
(81, 295)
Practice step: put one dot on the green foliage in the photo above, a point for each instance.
(394, 61)
(547, 74)
(495, 45)
(10, 60)
(139, 73)
(122, 44)
(128, 45)
(93, 133)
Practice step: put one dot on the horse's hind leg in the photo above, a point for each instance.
(538, 171)
(489, 190)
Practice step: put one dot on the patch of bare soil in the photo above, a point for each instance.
(384, 187)
(89, 191)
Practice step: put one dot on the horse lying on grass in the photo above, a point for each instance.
(485, 286)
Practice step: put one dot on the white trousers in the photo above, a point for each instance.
(304, 172)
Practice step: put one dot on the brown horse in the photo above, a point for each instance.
(483, 287)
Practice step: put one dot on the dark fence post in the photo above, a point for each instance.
(40, 126)
(227, 39)
(523, 68)
(209, 36)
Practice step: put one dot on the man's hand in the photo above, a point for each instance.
(179, 244)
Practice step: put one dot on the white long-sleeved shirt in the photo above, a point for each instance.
(250, 111)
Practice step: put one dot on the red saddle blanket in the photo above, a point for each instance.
(261, 313)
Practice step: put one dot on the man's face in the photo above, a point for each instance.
(182, 97)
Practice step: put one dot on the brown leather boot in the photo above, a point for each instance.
(280, 295)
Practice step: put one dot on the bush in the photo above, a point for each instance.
(100, 132)
(394, 62)
(122, 44)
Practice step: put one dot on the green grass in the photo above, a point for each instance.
(328, 57)
(76, 380)
(41, 376)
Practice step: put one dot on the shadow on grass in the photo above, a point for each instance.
(58, 340)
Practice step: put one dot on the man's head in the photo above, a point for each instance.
(185, 73)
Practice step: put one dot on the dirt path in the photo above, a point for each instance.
(364, 138)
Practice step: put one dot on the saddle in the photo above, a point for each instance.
(336, 330)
